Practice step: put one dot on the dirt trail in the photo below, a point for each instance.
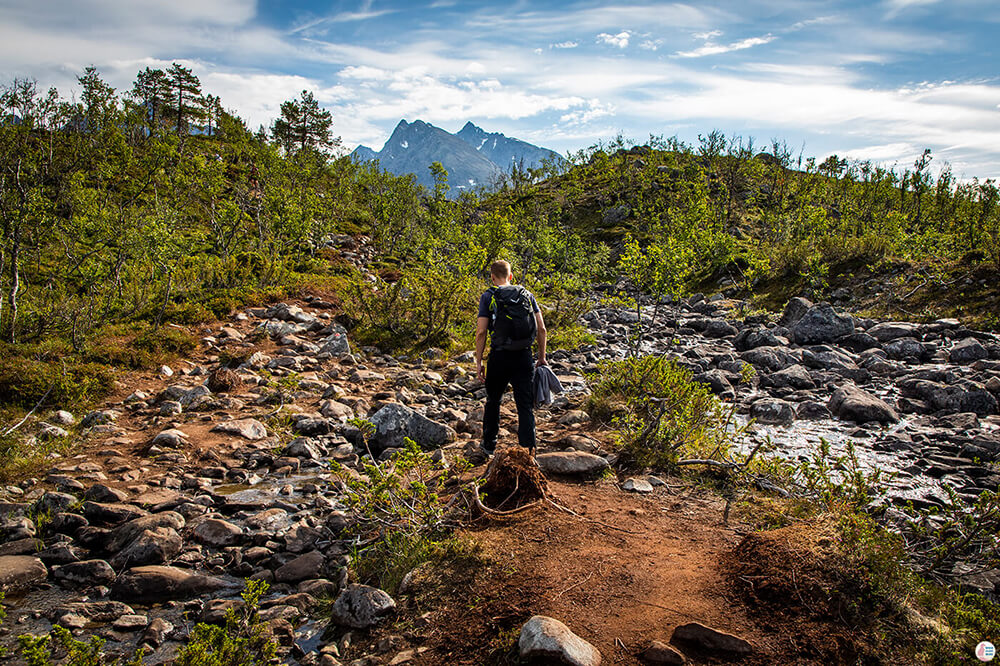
(628, 571)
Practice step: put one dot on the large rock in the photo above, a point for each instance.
(711, 639)
(303, 567)
(217, 533)
(888, 331)
(336, 344)
(395, 422)
(772, 411)
(967, 351)
(571, 463)
(549, 639)
(821, 324)
(154, 546)
(20, 572)
(361, 607)
(794, 376)
(155, 583)
(854, 404)
(659, 652)
(251, 429)
(124, 534)
(88, 573)
(795, 309)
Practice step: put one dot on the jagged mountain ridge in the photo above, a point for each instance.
(472, 156)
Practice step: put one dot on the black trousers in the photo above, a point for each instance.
(516, 368)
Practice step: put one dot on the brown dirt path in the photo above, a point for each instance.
(656, 562)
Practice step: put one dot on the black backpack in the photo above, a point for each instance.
(513, 323)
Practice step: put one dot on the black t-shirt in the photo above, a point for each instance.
(484, 305)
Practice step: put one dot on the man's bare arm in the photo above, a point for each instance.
(540, 323)
(482, 326)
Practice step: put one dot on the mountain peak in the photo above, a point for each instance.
(472, 156)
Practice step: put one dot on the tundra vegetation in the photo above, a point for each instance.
(129, 217)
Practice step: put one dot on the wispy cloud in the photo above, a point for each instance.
(718, 49)
(564, 45)
(620, 40)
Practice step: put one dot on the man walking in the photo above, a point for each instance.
(512, 317)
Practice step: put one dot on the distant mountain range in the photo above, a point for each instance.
(472, 157)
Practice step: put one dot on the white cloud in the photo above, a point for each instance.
(707, 36)
(584, 116)
(717, 49)
(564, 45)
(897, 7)
(620, 40)
(651, 44)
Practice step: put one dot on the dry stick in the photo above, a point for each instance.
(28, 415)
(577, 584)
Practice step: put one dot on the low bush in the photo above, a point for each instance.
(659, 413)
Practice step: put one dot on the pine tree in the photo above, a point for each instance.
(185, 91)
(152, 92)
(99, 101)
(304, 125)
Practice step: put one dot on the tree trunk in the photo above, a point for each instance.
(15, 284)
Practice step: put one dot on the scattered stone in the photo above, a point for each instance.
(546, 638)
(772, 411)
(395, 422)
(571, 463)
(20, 572)
(85, 574)
(217, 533)
(854, 404)
(303, 567)
(151, 584)
(250, 429)
(821, 324)
(968, 351)
(637, 485)
(361, 607)
(662, 653)
(711, 639)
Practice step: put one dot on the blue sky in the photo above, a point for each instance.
(878, 80)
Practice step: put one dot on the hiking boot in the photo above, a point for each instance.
(480, 455)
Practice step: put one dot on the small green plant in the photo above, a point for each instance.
(244, 641)
(37, 651)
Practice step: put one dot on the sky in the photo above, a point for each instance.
(875, 79)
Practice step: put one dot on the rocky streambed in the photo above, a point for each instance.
(198, 477)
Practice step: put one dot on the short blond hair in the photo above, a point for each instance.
(500, 269)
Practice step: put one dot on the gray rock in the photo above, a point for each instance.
(888, 331)
(571, 463)
(217, 533)
(170, 438)
(111, 513)
(303, 447)
(795, 309)
(821, 324)
(662, 653)
(968, 351)
(20, 572)
(794, 376)
(773, 411)
(549, 639)
(155, 546)
(336, 344)
(250, 429)
(156, 583)
(130, 623)
(854, 404)
(338, 411)
(902, 349)
(394, 422)
(715, 380)
(156, 633)
(88, 573)
(303, 567)
(637, 485)
(124, 534)
(361, 607)
(711, 639)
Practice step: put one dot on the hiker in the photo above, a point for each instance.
(511, 314)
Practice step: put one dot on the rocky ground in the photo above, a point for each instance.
(188, 481)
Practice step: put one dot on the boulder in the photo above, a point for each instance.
(155, 546)
(794, 376)
(88, 573)
(968, 351)
(888, 331)
(795, 309)
(20, 572)
(303, 567)
(217, 533)
(854, 404)
(124, 534)
(772, 411)
(337, 411)
(151, 584)
(571, 463)
(361, 607)
(821, 324)
(395, 422)
(336, 344)
(250, 429)
(545, 638)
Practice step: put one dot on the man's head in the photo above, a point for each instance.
(500, 272)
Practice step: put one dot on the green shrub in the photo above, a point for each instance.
(244, 641)
(24, 381)
(36, 651)
(659, 413)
